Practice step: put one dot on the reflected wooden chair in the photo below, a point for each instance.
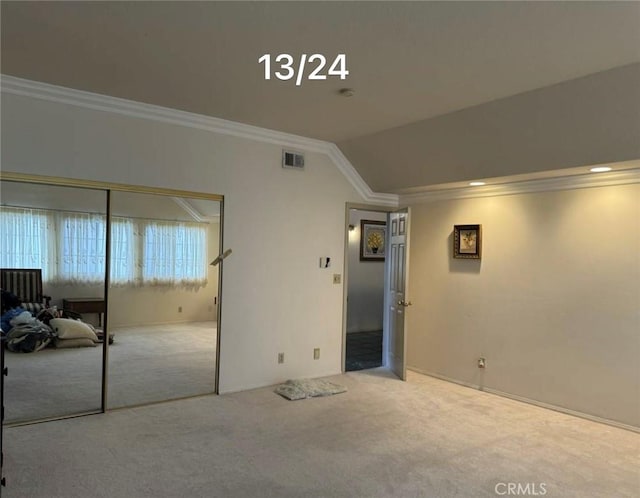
(26, 283)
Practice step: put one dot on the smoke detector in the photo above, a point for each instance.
(347, 92)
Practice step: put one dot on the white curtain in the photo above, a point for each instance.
(70, 248)
(174, 253)
(125, 264)
(81, 247)
(27, 240)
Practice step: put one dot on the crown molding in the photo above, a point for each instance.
(193, 212)
(621, 177)
(70, 96)
(347, 169)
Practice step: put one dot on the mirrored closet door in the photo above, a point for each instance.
(52, 259)
(163, 298)
(154, 319)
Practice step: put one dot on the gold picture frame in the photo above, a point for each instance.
(373, 238)
(467, 241)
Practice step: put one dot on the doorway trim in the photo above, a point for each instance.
(345, 282)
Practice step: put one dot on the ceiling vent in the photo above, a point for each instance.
(292, 159)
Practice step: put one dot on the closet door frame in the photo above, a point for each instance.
(119, 187)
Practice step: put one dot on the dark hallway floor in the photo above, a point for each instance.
(364, 350)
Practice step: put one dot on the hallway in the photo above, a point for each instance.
(364, 350)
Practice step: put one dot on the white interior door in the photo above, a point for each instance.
(398, 231)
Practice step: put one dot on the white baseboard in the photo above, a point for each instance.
(237, 389)
(523, 399)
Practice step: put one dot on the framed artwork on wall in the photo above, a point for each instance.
(373, 236)
(467, 241)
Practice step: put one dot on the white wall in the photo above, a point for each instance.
(554, 304)
(365, 305)
(278, 222)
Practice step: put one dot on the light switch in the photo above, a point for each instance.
(325, 262)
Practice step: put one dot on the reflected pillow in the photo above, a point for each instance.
(65, 328)
(74, 343)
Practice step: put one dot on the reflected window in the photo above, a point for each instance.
(67, 246)
(82, 247)
(175, 253)
(123, 251)
(27, 239)
(70, 247)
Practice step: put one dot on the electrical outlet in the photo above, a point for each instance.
(179, 309)
(337, 278)
(482, 363)
(280, 357)
(316, 353)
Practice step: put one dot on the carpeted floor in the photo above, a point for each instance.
(146, 364)
(382, 438)
(160, 362)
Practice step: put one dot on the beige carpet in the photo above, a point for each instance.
(155, 363)
(146, 364)
(382, 438)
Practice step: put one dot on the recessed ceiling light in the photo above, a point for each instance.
(600, 169)
(476, 184)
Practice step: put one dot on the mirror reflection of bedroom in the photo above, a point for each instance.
(162, 298)
(61, 233)
(158, 313)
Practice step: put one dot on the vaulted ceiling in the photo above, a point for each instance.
(409, 63)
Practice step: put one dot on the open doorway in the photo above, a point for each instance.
(365, 289)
